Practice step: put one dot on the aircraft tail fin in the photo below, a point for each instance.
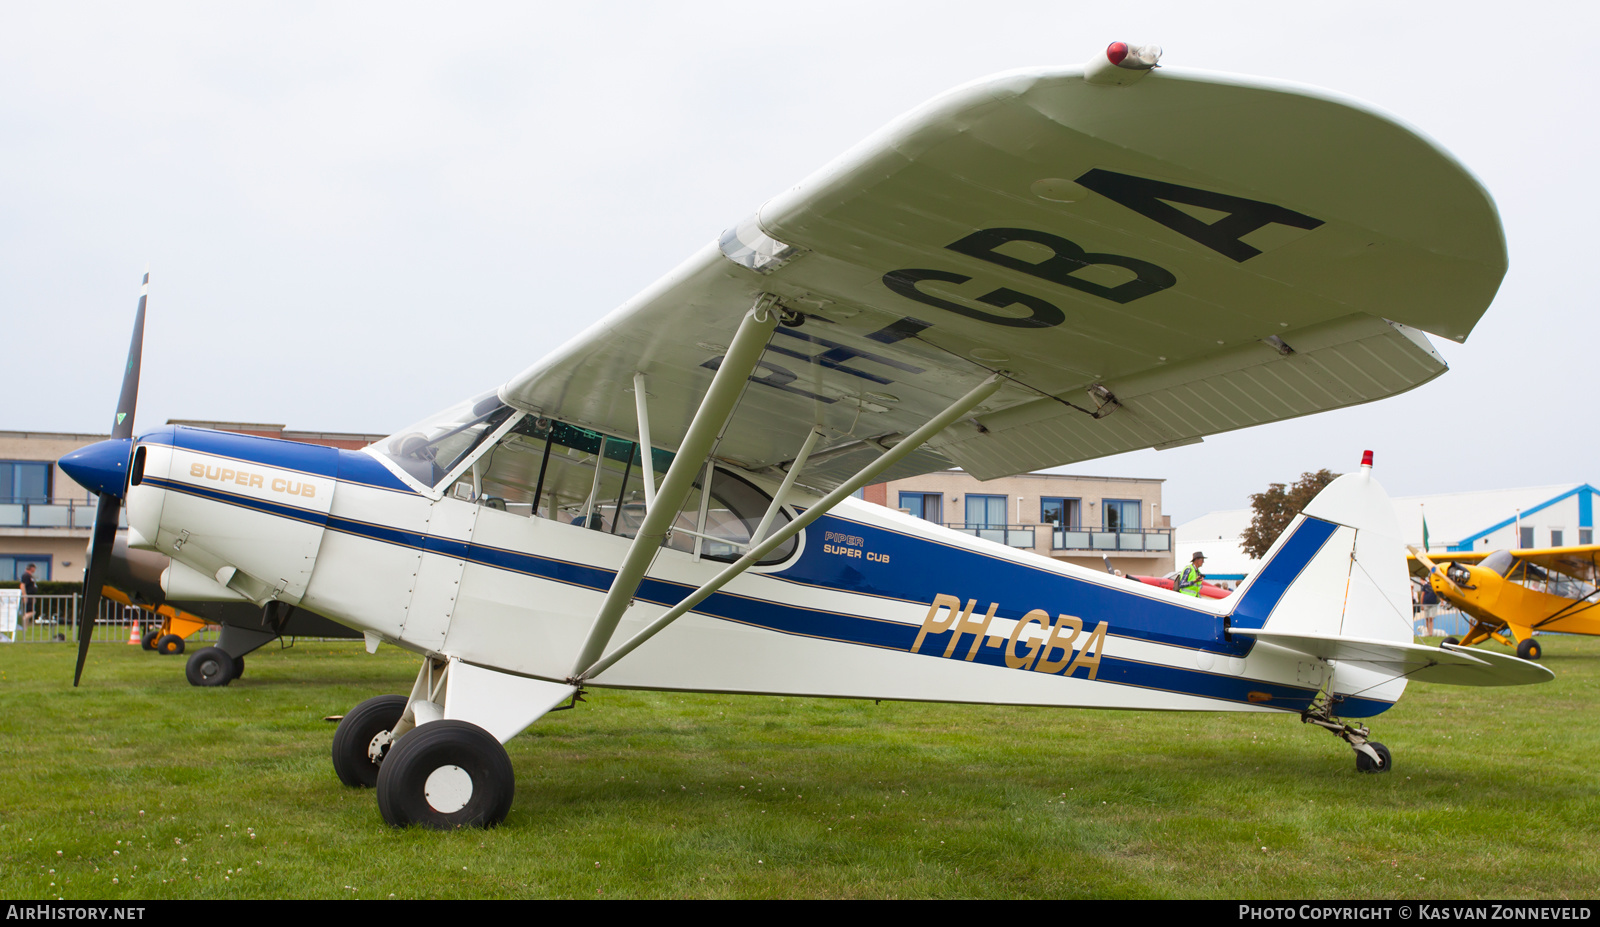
(1338, 571)
(1336, 587)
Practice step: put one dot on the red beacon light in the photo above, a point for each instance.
(1366, 460)
(1122, 64)
(1133, 57)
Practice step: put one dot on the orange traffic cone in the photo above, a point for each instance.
(133, 632)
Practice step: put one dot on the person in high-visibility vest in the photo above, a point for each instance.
(1190, 578)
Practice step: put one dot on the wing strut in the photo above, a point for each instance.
(744, 353)
(788, 483)
(645, 450)
(960, 408)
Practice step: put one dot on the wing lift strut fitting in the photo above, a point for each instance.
(717, 407)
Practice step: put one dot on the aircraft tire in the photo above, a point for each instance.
(1529, 649)
(445, 775)
(148, 641)
(1364, 762)
(210, 666)
(169, 644)
(352, 741)
(1451, 641)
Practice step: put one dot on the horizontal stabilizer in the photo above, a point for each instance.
(1447, 665)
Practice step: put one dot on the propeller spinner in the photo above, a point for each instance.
(102, 468)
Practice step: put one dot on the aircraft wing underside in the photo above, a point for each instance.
(1146, 265)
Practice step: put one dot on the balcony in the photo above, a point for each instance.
(71, 514)
(1009, 535)
(1107, 540)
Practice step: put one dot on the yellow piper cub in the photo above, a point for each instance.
(1517, 591)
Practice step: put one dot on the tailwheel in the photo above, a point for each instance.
(211, 666)
(1451, 641)
(1529, 649)
(1371, 756)
(148, 642)
(169, 644)
(444, 775)
(1365, 763)
(363, 738)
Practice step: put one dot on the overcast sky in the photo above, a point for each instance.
(356, 214)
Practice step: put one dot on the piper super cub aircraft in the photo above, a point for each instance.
(1040, 267)
(1518, 591)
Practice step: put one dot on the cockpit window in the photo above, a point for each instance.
(1500, 561)
(549, 469)
(433, 447)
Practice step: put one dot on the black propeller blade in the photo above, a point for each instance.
(109, 512)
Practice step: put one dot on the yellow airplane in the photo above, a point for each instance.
(1517, 591)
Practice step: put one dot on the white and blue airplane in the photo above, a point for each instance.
(1040, 267)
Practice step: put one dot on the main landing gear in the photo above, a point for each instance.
(223, 663)
(1371, 756)
(364, 737)
(213, 666)
(444, 775)
(428, 771)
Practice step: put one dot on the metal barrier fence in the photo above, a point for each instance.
(54, 620)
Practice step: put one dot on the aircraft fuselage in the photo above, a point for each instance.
(871, 603)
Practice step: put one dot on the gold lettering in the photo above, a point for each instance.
(951, 647)
(278, 484)
(255, 479)
(213, 473)
(243, 478)
(978, 629)
(1039, 617)
(1096, 641)
(939, 627)
(1047, 665)
(309, 492)
(227, 475)
(196, 469)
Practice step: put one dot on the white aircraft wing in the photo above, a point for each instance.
(1456, 666)
(1146, 264)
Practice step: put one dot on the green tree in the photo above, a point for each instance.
(1278, 506)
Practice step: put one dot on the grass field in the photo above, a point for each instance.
(139, 786)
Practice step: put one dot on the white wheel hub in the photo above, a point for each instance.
(448, 789)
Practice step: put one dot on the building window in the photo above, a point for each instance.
(986, 511)
(1556, 535)
(925, 505)
(25, 481)
(1062, 513)
(1121, 514)
(1585, 535)
(12, 565)
(1526, 539)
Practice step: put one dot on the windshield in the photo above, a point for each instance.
(433, 447)
(1500, 561)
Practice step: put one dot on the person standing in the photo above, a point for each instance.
(1190, 578)
(30, 589)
